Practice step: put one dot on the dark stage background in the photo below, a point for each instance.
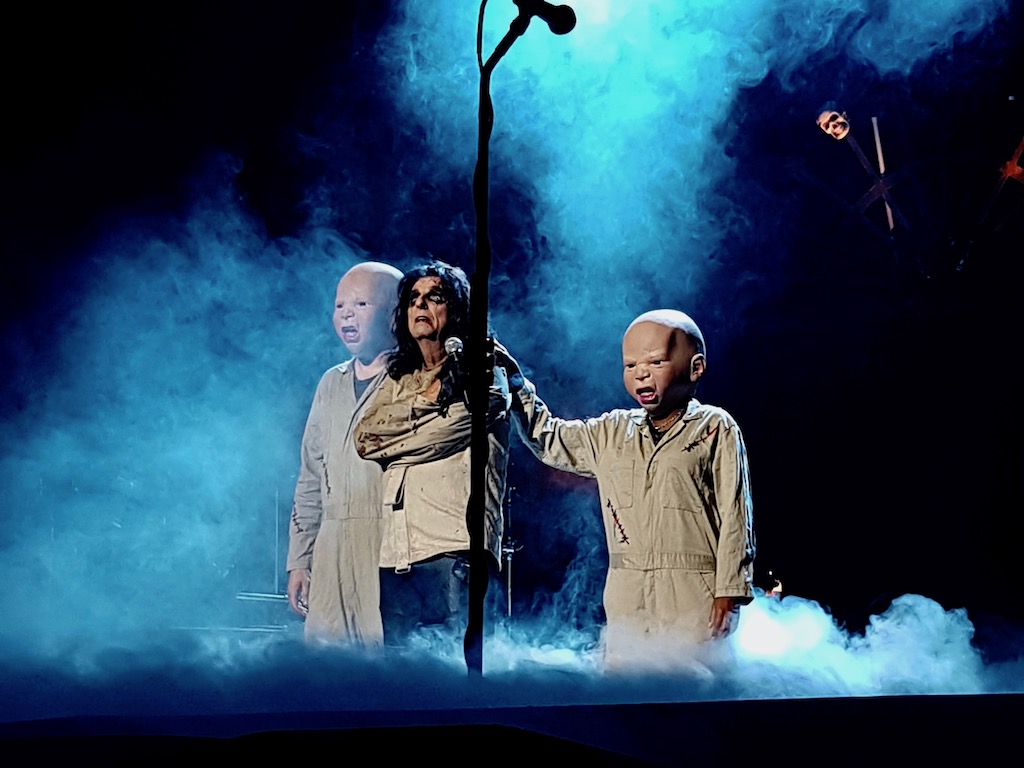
(183, 183)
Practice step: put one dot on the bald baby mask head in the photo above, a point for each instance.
(663, 358)
(364, 306)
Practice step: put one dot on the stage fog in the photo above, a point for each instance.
(180, 201)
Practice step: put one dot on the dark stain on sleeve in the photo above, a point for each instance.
(295, 520)
(623, 538)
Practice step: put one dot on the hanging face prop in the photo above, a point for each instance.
(834, 124)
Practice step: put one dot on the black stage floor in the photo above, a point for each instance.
(820, 731)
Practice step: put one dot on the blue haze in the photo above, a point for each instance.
(147, 472)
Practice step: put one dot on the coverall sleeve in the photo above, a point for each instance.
(307, 505)
(566, 444)
(735, 558)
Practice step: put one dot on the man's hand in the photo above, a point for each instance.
(503, 359)
(298, 591)
(724, 613)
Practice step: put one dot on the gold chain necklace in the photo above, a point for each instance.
(666, 427)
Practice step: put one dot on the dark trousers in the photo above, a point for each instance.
(433, 594)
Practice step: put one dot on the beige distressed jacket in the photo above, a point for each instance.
(424, 450)
(335, 528)
(677, 515)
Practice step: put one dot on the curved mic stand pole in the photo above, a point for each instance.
(480, 352)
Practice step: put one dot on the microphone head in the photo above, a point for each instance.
(453, 346)
(561, 19)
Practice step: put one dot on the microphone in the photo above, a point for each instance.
(560, 18)
(453, 347)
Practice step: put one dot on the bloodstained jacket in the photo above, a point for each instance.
(424, 449)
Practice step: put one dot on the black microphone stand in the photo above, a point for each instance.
(480, 350)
